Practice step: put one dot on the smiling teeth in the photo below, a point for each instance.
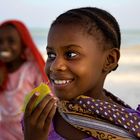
(59, 82)
(5, 54)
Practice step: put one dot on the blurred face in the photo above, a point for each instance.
(10, 44)
(75, 62)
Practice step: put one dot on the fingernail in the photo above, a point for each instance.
(51, 94)
(55, 98)
(37, 93)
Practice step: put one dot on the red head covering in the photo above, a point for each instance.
(29, 44)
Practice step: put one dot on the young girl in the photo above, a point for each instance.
(21, 69)
(83, 48)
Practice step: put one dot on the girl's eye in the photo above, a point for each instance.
(70, 55)
(51, 56)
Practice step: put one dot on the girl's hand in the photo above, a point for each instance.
(37, 122)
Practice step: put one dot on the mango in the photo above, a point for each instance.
(43, 89)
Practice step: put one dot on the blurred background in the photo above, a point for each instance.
(39, 14)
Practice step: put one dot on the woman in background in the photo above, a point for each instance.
(21, 70)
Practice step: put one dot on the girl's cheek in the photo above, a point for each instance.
(46, 68)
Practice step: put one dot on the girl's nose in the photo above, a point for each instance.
(58, 65)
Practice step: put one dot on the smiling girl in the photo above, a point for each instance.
(83, 48)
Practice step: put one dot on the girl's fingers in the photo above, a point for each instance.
(40, 107)
(30, 105)
(44, 115)
(49, 118)
(45, 110)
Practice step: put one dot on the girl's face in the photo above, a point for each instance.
(10, 44)
(75, 62)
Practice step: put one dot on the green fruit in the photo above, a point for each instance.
(43, 89)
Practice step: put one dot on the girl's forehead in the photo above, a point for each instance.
(64, 35)
(8, 30)
(69, 34)
(76, 31)
(71, 38)
(7, 27)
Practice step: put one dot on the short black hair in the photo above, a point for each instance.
(95, 21)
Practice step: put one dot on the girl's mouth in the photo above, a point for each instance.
(5, 54)
(61, 82)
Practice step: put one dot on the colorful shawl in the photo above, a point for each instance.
(102, 120)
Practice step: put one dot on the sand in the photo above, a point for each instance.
(125, 81)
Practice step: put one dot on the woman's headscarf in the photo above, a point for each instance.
(31, 51)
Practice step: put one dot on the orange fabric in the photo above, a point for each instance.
(27, 40)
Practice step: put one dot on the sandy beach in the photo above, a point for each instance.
(125, 81)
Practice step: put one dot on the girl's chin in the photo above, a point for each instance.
(62, 96)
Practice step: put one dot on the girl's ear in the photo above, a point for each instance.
(111, 60)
